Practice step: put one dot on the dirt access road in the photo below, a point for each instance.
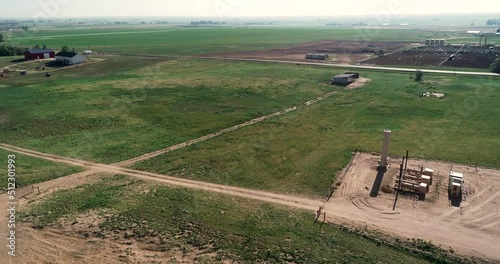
(350, 206)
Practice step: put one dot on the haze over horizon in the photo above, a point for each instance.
(237, 8)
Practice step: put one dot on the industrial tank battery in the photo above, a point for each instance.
(455, 183)
(423, 189)
(425, 179)
(430, 173)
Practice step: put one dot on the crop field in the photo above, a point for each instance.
(177, 41)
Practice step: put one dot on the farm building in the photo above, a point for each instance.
(69, 58)
(39, 54)
(343, 79)
(316, 56)
(87, 52)
(355, 75)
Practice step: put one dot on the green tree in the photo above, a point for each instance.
(418, 75)
(495, 66)
(65, 48)
(36, 46)
(25, 28)
(1, 38)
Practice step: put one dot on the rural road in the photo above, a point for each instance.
(356, 66)
(344, 212)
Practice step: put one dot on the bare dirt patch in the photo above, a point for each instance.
(3, 118)
(66, 243)
(360, 82)
(473, 229)
(339, 51)
(467, 57)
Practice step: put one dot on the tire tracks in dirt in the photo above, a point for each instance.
(293, 201)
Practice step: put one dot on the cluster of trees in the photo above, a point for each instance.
(1, 38)
(492, 22)
(11, 50)
(207, 22)
(65, 48)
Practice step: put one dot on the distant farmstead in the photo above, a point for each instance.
(69, 58)
(316, 56)
(39, 54)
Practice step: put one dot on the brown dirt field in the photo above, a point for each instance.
(471, 57)
(473, 229)
(339, 51)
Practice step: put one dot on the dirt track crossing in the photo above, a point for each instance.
(368, 212)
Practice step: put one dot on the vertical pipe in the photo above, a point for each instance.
(406, 162)
(385, 148)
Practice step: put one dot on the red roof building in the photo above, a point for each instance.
(39, 54)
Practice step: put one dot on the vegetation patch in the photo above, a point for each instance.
(31, 170)
(301, 152)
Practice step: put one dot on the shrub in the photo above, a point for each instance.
(418, 76)
(495, 66)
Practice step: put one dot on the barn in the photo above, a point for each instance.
(69, 58)
(39, 54)
(343, 79)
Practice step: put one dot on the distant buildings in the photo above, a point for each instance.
(39, 54)
(345, 79)
(317, 56)
(69, 58)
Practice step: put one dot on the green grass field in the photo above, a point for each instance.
(237, 229)
(194, 41)
(143, 105)
(302, 151)
(31, 170)
(125, 107)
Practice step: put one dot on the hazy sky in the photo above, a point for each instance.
(221, 8)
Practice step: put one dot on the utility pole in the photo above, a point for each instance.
(399, 184)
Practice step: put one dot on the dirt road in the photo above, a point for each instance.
(349, 66)
(350, 207)
(201, 139)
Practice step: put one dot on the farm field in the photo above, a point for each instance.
(468, 57)
(301, 152)
(143, 105)
(118, 215)
(196, 41)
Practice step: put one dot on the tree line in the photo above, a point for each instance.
(7, 50)
(493, 22)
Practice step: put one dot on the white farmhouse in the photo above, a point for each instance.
(69, 58)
